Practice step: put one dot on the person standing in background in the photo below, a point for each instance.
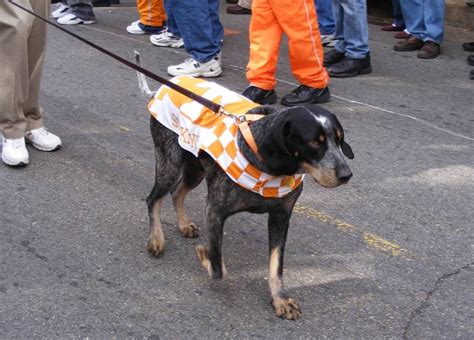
(22, 52)
(298, 20)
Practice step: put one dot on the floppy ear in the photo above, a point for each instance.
(274, 149)
(347, 150)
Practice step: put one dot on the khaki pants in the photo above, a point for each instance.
(22, 51)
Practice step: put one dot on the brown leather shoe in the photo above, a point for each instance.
(430, 50)
(409, 44)
(238, 10)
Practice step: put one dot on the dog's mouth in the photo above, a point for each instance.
(325, 177)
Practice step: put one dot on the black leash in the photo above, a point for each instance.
(201, 100)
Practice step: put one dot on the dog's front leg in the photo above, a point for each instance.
(285, 307)
(211, 257)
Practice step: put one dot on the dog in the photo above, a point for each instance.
(291, 141)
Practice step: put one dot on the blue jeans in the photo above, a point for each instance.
(200, 27)
(171, 21)
(325, 17)
(424, 19)
(352, 29)
(397, 14)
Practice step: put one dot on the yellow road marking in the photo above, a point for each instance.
(372, 240)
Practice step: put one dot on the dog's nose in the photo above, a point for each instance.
(343, 174)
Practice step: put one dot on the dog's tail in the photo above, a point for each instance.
(142, 83)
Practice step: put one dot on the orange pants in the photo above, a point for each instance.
(298, 20)
(152, 12)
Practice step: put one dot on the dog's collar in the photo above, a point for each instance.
(247, 133)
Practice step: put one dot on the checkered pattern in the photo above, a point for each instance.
(200, 129)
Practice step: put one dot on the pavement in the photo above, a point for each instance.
(389, 255)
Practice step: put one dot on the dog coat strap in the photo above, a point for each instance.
(247, 133)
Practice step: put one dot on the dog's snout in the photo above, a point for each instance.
(343, 174)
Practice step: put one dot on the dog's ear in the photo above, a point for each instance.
(347, 150)
(274, 149)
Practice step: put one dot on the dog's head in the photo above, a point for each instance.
(308, 139)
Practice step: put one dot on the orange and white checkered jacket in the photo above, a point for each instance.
(200, 129)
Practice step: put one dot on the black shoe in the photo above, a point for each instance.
(349, 67)
(471, 75)
(260, 96)
(332, 57)
(306, 95)
(470, 60)
(469, 46)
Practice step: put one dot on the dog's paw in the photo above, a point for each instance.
(155, 247)
(190, 231)
(203, 256)
(287, 309)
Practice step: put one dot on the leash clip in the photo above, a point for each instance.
(239, 119)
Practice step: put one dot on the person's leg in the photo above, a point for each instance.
(356, 31)
(217, 28)
(325, 16)
(82, 9)
(338, 14)
(264, 38)
(36, 53)
(171, 21)
(398, 20)
(194, 23)
(15, 26)
(299, 21)
(434, 21)
(152, 13)
(414, 18)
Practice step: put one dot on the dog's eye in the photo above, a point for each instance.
(338, 134)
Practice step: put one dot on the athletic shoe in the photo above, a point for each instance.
(14, 152)
(137, 27)
(72, 19)
(260, 96)
(166, 39)
(43, 140)
(191, 67)
(61, 11)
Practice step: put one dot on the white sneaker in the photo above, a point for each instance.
(133, 28)
(193, 68)
(72, 19)
(166, 39)
(14, 152)
(61, 11)
(43, 140)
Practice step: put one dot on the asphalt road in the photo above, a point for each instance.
(389, 255)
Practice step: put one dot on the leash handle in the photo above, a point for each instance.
(216, 108)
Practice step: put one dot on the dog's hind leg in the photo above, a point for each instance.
(278, 222)
(191, 176)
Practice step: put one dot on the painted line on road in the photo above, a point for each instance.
(371, 240)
